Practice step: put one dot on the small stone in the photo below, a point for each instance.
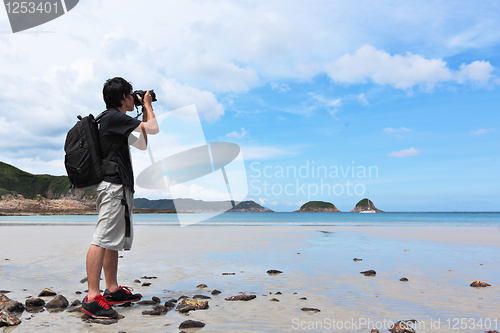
(188, 304)
(4, 291)
(157, 300)
(146, 284)
(170, 305)
(10, 305)
(215, 292)
(76, 302)
(7, 319)
(278, 293)
(161, 308)
(274, 300)
(120, 257)
(137, 281)
(32, 302)
(201, 297)
(311, 310)
(47, 292)
(303, 298)
(370, 272)
(58, 302)
(182, 297)
(149, 277)
(147, 303)
(191, 324)
(84, 280)
(90, 320)
(74, 308)
(406, 250)
(403, 326)
(357, 259)
(374, 330)
(78, 292)
(403, 279)
(240, 298)
(172, 300)
(152, 312)
(228, 273)
(201, 286)
(479, 284)
(273, 272)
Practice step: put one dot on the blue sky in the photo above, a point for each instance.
(409, 89)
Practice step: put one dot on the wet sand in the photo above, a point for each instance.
(439, 262)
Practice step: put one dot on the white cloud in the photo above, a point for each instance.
(281, 87)
(362, 99)
(263, 201)
(482, 131)
(225, 76)
(404, 153)
(238, 135)
(267, 152)
(478, 72)
(178, 95)
(391, 130)
(368, 64)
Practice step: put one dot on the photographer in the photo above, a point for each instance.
(114, 231)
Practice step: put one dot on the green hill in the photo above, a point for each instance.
(318, 206)
(16, 181)
(362, 205)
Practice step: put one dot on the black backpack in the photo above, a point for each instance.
(83, 160)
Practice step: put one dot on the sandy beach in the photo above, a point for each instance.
(317, 263)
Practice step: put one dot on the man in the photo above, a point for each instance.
(112, 232)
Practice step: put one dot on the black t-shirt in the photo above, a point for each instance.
(114, 130)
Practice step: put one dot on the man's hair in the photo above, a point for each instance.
(113, 91)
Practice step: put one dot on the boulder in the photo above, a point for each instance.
(369, 272)
(201, 297)
(191, 324)
(152, 313)
(188, 304)
(310, 310)
(403, 326)
(33, 302)
(10, 305)
(58, 302)
(479, 284)
(46, 292)
(7, 319)
(240, 298)
(274, 272)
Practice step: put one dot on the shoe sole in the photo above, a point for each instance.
(98, 317)
(123, 302)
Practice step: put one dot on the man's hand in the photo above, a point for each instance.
(147, 98)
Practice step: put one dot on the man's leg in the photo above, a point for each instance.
(95, 258)
(111, 269)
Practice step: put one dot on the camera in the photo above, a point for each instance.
(141, 93)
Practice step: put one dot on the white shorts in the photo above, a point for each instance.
(109, 232)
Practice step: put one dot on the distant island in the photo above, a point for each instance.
(364, 205)
(192, 205)
(317, 206)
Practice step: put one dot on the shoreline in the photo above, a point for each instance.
(317, 263)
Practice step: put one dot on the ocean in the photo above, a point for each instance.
(278, 219)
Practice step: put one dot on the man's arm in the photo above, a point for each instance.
(149, 125)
